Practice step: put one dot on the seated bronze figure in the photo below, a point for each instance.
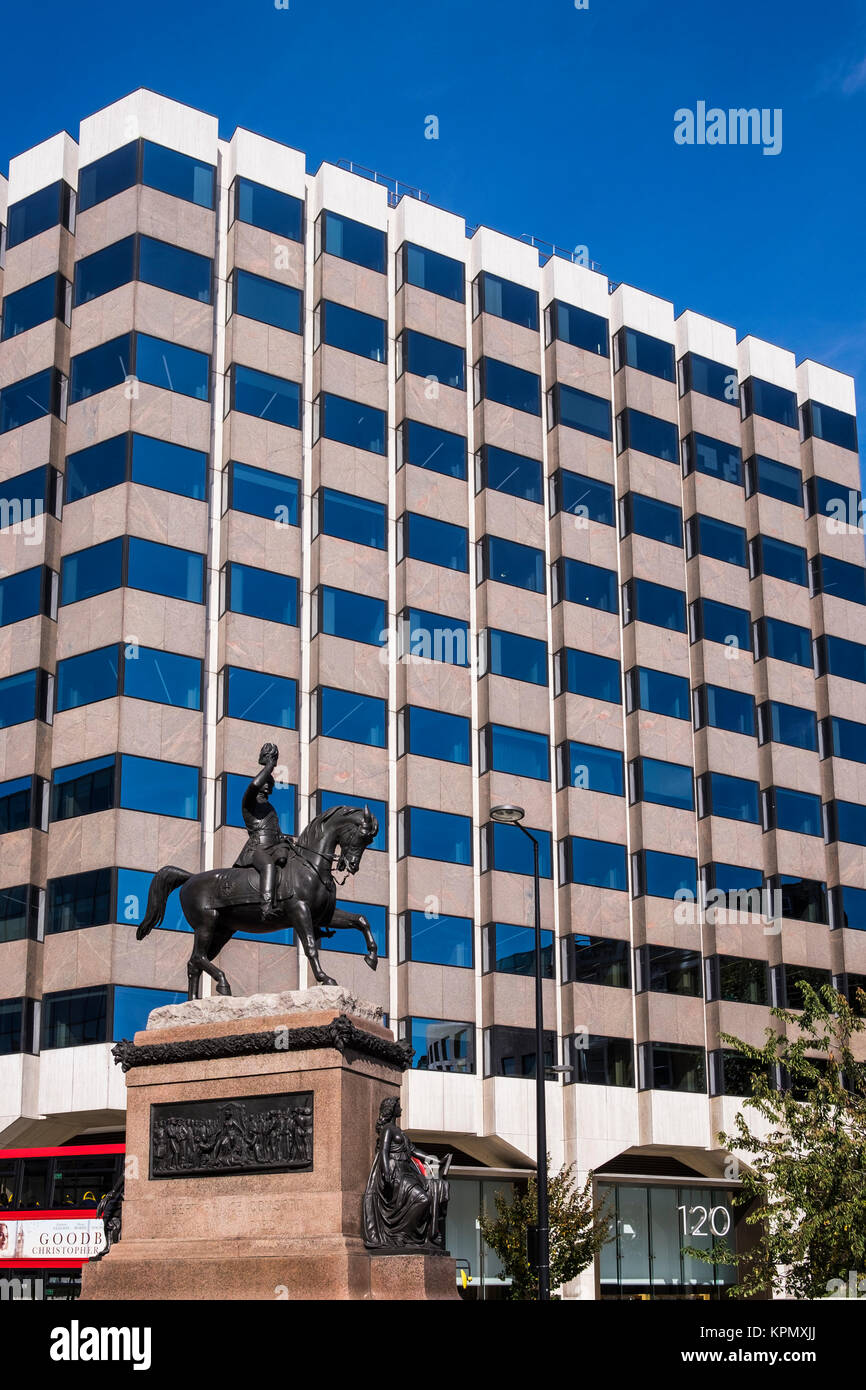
(407, 1192)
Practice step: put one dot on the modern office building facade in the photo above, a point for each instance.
(303, 457)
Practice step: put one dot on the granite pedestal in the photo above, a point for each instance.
(294, 1233)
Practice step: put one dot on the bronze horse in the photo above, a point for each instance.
(219, 902)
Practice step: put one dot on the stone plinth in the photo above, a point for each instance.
(294, 1233)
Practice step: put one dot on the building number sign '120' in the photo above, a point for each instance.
(695, 1220)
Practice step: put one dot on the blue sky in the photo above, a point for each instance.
(552, 121)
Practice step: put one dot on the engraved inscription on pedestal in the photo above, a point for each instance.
(250, 1134)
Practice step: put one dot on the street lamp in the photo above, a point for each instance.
(513, 815)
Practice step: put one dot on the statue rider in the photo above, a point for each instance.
(267, 847)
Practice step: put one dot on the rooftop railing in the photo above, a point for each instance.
(396, 188)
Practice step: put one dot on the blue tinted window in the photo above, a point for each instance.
(852, 904)
(590, 585)
(828, 423)
(509, 562)
(93, 571)
(74, 1017)
(645, 353)
(269, 397)
(15, 804)
(580, 328)
(714, 457)
(585, 673)
(432, 271)
(799, 812)
(440, 1045)
(94, 469)
(261, 698)
(431, 733)
(784, 642)
(172, 367)
(664, 784)
(31, 399)
(439, 940)
(772, 402)
(352, 942)
(585, 497)
(35, 214)
(507, 300)
(432, 357)
(132, 1007)
(647, 434)
(166, 569)
(579, 410)
(267, 301)
(596, 863)
(720, 622)
(512, 950)
(709, 378)
(717, 539)
(437, 835)
(354, 616)
(164, 677)
(349, 329)
(733, 798)
(260, 492)
(436, 542)
(731, 878)
(78, 900)
(730, 709)
(434, 637)
(172, 268)
(107, 176)
(283, 800)
(847, 739)
(262, 594)
(18, 698)
(590, 768)
(439, 450)
(82, 789)
(841, 579)
(378, 808)
(353, 241)
(28, 494)
(100, 368)
(133, 887)
(169, 467)
(21, 595)
(660, 521)
(349, 422)
(663, 875)
(839, 657)
(847, 822)
(511, 386)
(84, 679)
(351, 518)
(510, 852)
(518, 751)
(774, 479)
(779, 559)
(177, 174)
(34, 304)
(267, 208)
(515, 474)
(791, 725)
(344, 714)
(657, 604)
(161, 788)
(659, 692)
(520, 658)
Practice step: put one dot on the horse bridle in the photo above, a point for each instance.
(334, 858)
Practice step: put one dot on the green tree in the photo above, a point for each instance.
(577, 1230)
(805, 1179)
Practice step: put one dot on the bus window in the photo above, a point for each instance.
(35, 1186)
(7, 1183)
(81, 1182)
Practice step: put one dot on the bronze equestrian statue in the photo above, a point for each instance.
(276, 882)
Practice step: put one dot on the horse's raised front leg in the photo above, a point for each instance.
(301, 919)
(354, 919)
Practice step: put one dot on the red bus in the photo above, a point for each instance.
(48, 1222)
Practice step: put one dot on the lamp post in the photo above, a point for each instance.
(513, 815)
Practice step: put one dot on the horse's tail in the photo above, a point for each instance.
(164, 883)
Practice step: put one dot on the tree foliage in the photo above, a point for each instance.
(805, 1183)
(577, 1230)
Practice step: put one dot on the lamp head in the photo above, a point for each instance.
(507, 815)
